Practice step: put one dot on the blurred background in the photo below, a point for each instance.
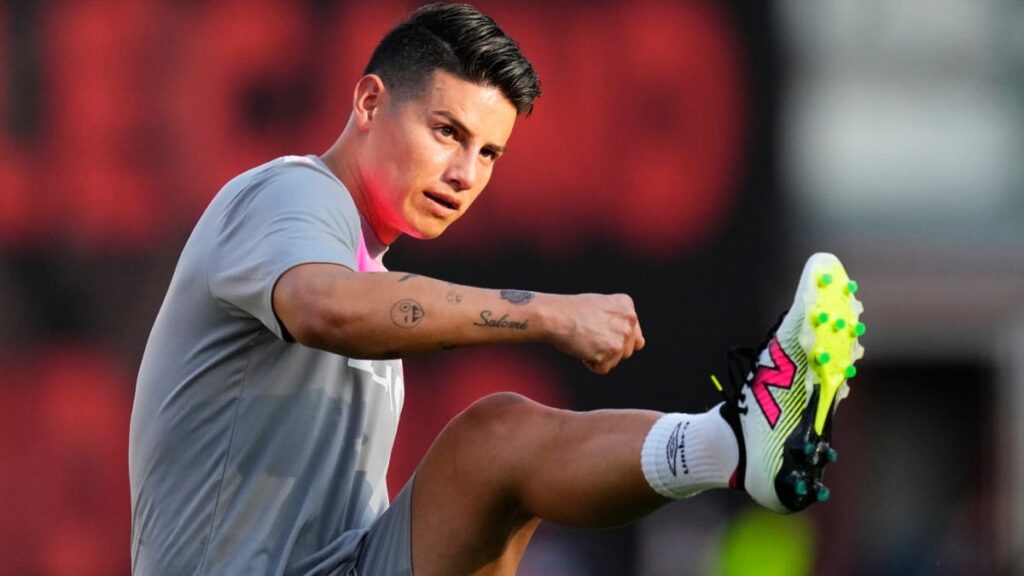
(692, 154)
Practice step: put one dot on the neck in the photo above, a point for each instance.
(342, 158)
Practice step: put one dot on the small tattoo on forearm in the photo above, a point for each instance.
(447, 346)
(407, 277)
(517, 297)
(487, 321)
(454, 298)
(407, 313)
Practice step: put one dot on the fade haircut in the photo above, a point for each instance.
(457, 39)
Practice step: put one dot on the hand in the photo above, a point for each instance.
(601, 330)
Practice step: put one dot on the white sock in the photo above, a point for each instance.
(685, 454)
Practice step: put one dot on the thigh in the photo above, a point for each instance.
(467, 518)
(506, 461)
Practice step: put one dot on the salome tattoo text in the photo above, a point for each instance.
(487, 321)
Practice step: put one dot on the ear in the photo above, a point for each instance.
(367, 100)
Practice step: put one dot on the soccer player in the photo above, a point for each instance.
(269, 393)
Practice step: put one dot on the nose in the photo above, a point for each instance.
(462, 172)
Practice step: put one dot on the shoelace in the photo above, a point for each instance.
(741, 363)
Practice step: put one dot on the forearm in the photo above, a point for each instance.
(382, 315)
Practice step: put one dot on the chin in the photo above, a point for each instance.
(427, 227)
(426, 233)
(429, 234)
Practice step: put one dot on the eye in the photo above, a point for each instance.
(489, 154)
(446, 131)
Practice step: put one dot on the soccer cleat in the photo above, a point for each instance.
(785, 393)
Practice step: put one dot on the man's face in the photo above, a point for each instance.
(429, 157)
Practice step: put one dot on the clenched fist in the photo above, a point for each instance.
(599, 329)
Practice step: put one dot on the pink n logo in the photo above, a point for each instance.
(780, 376)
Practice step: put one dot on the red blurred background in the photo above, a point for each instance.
(650, 166)
(122, 119)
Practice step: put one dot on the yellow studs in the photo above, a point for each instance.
(819, 318)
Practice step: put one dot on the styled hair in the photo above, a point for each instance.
(457, 39)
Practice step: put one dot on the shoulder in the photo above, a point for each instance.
(287, 184)
(297, 170)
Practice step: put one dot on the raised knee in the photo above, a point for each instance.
(498, 416)
(498, 408)
(500, 401)
(492, 445)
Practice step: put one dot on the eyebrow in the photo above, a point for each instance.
(462, 128)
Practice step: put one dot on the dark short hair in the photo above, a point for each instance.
(457, 39)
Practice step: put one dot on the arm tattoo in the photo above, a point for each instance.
(517, 297)
(487, 321)
(454, 298)
(407, 313)
(407, 277)
(447, 346)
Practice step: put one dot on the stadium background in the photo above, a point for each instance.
(691, 154)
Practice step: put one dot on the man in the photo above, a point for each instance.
(269, 394)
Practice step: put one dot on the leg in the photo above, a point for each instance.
(505, 463)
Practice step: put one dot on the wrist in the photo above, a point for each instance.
(552, 322)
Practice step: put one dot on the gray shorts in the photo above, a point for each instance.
(386, 548)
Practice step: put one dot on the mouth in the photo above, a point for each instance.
(443, 200)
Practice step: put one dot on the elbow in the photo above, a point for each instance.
(315, 305)
(309, 329)
(339, 331)
(324, 328)
(308, 312)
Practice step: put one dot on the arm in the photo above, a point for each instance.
(381, 315)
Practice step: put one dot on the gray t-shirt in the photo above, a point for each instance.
(250, 453)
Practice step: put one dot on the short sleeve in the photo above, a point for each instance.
(284, 216)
